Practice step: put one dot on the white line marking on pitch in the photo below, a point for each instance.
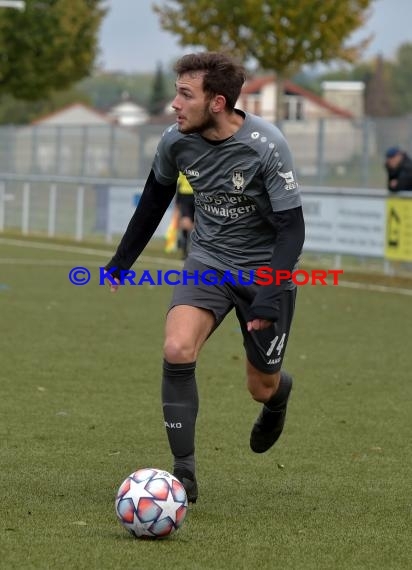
(86, 251)
(155, 260)
(374, 287)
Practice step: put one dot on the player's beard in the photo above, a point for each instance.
(204, 123)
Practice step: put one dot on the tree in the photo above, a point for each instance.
(401, 79)
(159, 95)
(48, 46)
(280, 36)
(378, 92)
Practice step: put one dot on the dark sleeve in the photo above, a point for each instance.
(150, 210)
(405, 178)
(290, 227)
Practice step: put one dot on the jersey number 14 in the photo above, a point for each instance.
(277, 344)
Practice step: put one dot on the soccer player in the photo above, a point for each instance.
(248, 215)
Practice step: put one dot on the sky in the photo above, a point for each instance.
(132, 40)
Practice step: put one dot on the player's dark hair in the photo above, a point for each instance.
(222, 74)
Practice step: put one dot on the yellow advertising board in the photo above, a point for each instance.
(398, 243)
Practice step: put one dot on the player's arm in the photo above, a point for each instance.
(286, 218)
(152, 206)
(290, 238)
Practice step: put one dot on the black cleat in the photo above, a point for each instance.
(269, 424)
(189, 482)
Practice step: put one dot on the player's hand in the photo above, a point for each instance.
(114, 288)
(258, 325)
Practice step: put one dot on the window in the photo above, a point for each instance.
(293, 107)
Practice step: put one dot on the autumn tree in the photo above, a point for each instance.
(48, 46)
(280, 36)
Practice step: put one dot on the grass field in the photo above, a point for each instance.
(80, 409)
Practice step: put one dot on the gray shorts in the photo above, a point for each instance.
(265, 349)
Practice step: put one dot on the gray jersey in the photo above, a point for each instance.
(237, 185)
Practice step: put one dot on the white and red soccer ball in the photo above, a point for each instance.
(151, 503)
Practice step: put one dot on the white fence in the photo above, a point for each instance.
(326, 151)
(339, 221)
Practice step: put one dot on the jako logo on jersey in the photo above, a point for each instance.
(173, 425)
(238, 181)
(188, 171)
(289, 180)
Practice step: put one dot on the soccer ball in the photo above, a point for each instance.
(151, 503)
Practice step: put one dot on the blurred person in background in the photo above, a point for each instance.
(186, 204)
(182, 219)
(398, 166)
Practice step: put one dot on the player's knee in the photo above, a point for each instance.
(177, 350)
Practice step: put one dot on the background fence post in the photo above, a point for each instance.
(79, 213)
(51, 226)
(2, 206)
(320, 151)
(365, 153)
(25, 213)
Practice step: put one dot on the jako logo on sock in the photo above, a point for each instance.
(173, 425)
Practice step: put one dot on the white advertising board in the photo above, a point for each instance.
(344, 224)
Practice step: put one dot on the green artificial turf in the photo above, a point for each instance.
(80, 410)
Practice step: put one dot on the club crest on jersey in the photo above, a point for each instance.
(238, 181)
